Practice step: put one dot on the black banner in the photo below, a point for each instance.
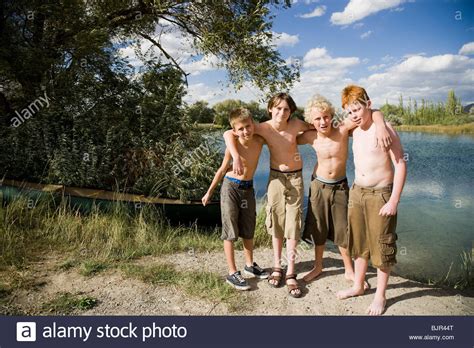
(258, 331)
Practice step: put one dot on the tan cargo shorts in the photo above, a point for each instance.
(284, 207)
(372, 236)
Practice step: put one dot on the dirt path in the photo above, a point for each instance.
(118, 295)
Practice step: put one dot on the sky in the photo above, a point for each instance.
(417, 48)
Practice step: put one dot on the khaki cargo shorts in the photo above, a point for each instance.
(326, 217)
(284, 207)
(372, 236)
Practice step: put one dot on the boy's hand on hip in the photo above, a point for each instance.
(237, 166)
(389, 209)
(383, 138)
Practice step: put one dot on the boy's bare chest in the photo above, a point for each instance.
(280, 139)
(250, 152)
(330, 147)
(365, 144)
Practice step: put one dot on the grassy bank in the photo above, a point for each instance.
(27, 231)
(97, 242)
(467, 128)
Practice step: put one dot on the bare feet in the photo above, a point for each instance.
(350, 277)
(377, 307)
(313, 274)
(351, 292)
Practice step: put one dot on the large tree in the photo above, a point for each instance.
(108, 124)
(40, 40)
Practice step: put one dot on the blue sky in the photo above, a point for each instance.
(420, 48)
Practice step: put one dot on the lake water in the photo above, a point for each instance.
(435, 222)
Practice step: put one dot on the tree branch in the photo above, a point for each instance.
(157, 44)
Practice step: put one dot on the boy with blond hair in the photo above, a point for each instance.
(374, 197)
(285, 184)
(326, 216)
(238, 208)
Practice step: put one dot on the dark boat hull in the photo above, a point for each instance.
(86, 200)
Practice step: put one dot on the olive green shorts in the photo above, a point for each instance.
(371, 236)
(284, 207)
(326, 217)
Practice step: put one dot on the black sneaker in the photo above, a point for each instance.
(237, 281)
(256, 271)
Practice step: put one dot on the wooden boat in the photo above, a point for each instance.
(85, 200)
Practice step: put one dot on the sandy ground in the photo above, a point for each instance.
(118, 295)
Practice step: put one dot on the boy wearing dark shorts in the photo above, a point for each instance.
(238, 208)
(329, 192)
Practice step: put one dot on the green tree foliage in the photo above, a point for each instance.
(427, 112)
(299, 113)
(200, 112)
(106, 126)
(223, 109)
(258, 113)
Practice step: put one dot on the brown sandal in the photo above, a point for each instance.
(278, 277)
(292, 287)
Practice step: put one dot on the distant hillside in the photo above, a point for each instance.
(467, 108)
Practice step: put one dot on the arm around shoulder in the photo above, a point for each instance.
(231, 144)
(306, 137)
(384, 137)
(302, 125)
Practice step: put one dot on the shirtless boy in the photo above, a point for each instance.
(285, 185)
(374, 197)
(238, 198)
(326, 217)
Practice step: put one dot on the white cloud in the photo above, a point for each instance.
(376, 67)
(319, 57)
(357, 25)
(397, 9)
(467, 49)
(307, 2)
(320, 73)
(409, 55)
(423, 77)
(177, 45)
(214, 93)
(366, 34)
(359, 9)
(285, 39)
(203, 64)
(388, 58)
(324, 74)
(317, 12)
